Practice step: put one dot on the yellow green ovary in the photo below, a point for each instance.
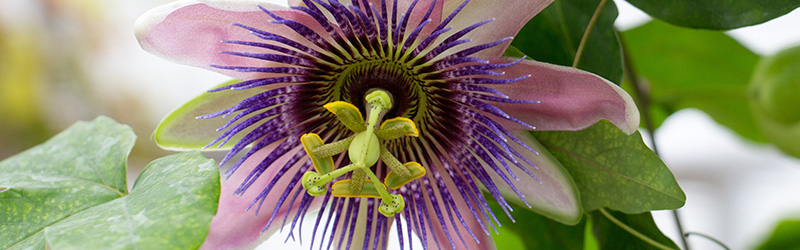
(364, 149)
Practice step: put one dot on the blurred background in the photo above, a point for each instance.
(62, 61)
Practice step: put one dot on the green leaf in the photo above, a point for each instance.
(784, 237)
(536, 231)
(688, 68)
(610, 235)
(507, 238)
(181, 130)
(71, 193)
(614, 170)
(773, 98)
(170, 207)
(77, 169)
(555, 33)
(715, 14)
(512, 51)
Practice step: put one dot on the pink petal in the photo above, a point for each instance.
(190, 32)
(235, 228)
(571, 99)
(556, 196)
(510, 16)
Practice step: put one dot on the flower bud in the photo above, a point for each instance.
(775, 99)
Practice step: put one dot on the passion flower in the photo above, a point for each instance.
(445, 121)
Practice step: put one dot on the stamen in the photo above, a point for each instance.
(364, 149)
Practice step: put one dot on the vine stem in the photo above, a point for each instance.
(709, 238)
(642, 97)
(586, 32)
(630, 230)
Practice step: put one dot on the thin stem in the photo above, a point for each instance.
(633, 231)
(709, 238)
(642, 97)
(677, 218)
(641, 94)
(586, 32)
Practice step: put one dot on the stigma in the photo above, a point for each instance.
(364, 148)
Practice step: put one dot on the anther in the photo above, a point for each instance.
(364, 149)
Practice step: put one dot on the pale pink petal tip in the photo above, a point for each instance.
(569, 98)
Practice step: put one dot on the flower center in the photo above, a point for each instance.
(358, 78)
(364, 149)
